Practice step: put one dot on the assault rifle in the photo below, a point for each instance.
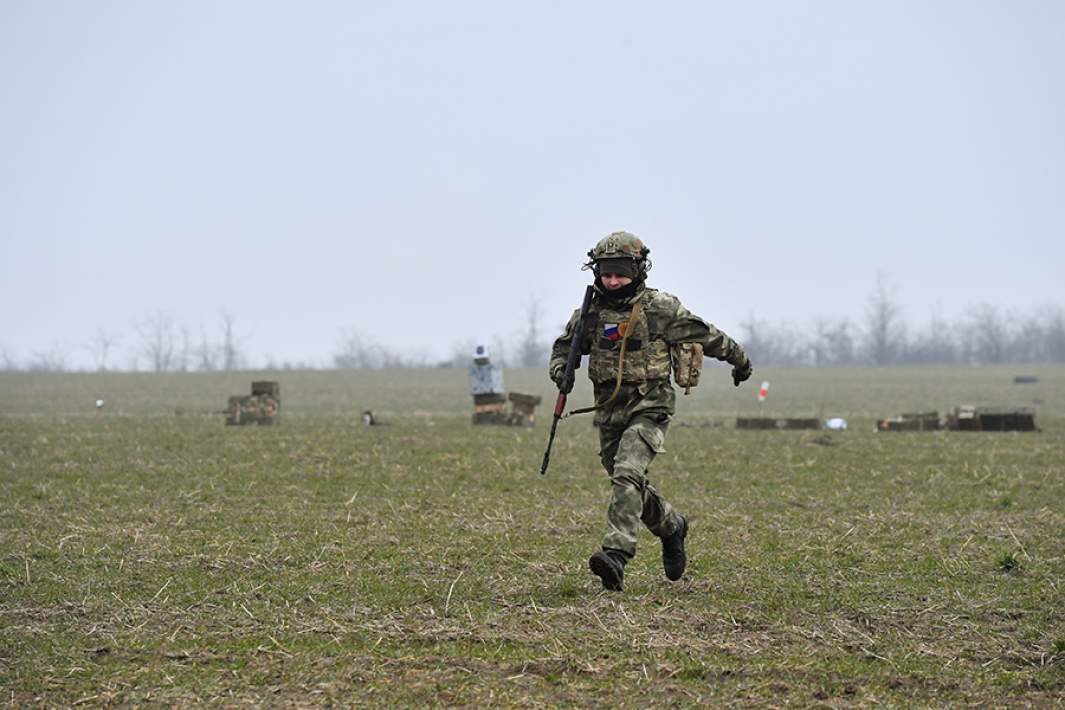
(572, 359)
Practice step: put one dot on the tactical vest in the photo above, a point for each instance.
(646, 353)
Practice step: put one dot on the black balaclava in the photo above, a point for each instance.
(622, 266)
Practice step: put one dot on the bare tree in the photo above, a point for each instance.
(885, 333)
(1028, 341)
(100, 346)
(757, 341)
(790, 345)
(782, 346)
(54, 359)
(357, 351)
(7, 361)
(156, 331)
(833, 343)
(232, 357)
(390, 359)
(532, 350)
(205, 354)
(499, 352)
(183, 359)
(935, 344)
(986, 335)
(461, 354)
(1053, 319)
(273, 364)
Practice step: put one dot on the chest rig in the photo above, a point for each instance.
(646, 354)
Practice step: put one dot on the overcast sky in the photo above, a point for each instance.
(422, 171)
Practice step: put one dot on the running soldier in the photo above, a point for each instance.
(636, 337)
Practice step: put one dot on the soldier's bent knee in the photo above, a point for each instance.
(628, 475)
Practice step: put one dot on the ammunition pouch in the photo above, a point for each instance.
(687, 363)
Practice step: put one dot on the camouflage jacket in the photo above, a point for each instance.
(663, 321)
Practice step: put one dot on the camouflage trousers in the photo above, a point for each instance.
(627, 451)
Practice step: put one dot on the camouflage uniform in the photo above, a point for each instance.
(633, 427)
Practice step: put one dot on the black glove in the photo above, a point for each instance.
(565, 384)
(741, 373)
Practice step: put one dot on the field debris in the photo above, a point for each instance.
(969, 418)
(911, 421)
(836, 424)
(494, 409)
(790, 423)
(964, 417)
(491, 403)
(262, 407)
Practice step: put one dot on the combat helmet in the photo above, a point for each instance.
(619, 248)
(481, 356)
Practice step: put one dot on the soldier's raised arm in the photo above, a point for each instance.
(686, 327)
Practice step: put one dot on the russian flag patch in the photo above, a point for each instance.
(611, 331)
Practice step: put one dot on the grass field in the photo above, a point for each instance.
(151, 555)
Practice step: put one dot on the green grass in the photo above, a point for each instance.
(864, 394)
(150, 558)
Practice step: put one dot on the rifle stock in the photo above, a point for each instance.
(572, 359)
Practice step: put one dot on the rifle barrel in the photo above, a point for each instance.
(573, 357)
(560, 404)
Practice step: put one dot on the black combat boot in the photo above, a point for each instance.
(609, 566)
(674, 558)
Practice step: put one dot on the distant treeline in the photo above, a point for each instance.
(160, 343)
(982, 334)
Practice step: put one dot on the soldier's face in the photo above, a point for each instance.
(612, 282)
